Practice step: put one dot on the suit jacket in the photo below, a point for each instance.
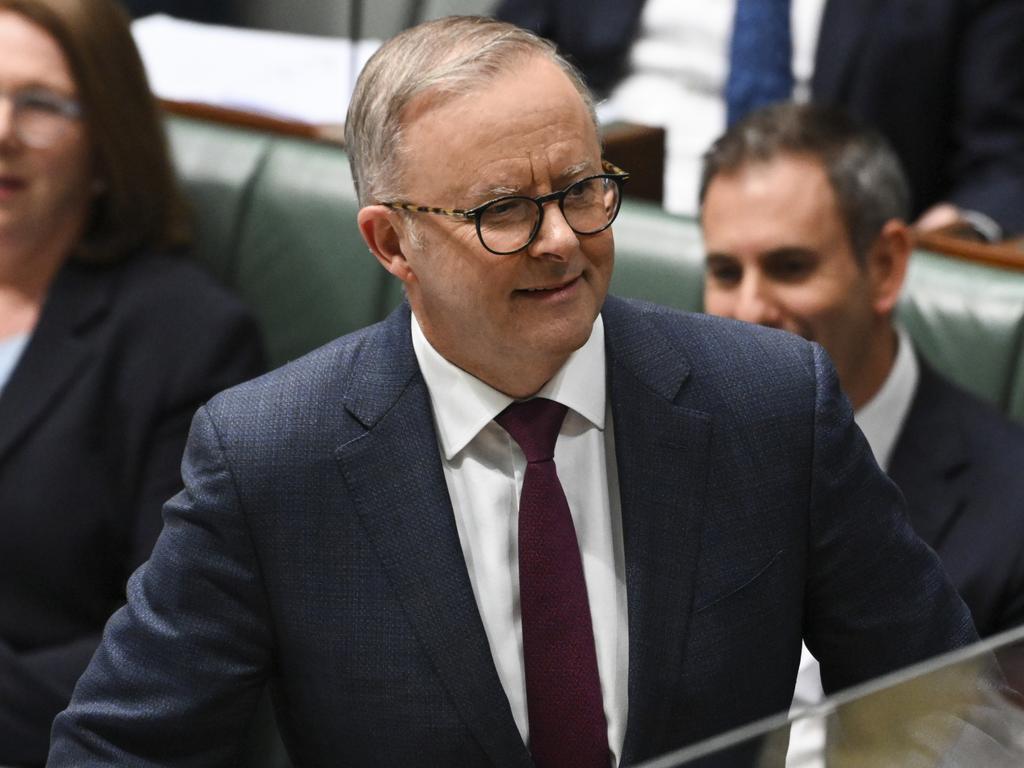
(958, 462)
(941, 79)
(315, 546)
(93, 423)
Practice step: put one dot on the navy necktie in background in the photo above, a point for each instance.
(563, 689)
(760, 56)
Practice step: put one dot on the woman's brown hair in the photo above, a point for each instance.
(138, 203)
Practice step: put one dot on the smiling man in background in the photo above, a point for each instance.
(803, 219)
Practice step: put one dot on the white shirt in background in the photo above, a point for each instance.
(678, 67)
(10, 352)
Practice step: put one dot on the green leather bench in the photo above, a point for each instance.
(276, 221)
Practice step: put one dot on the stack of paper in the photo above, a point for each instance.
(284, 75)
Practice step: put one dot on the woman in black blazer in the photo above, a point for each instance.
(107, 345)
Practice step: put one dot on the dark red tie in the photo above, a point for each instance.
(563, 690)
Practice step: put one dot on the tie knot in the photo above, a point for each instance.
(534, 424)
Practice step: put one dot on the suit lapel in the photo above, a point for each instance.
(394, 474)
(843, 28)
(929, 462)
(58, 349)
(662, 456)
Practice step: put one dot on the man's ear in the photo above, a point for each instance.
(887, 265)
(381, 228)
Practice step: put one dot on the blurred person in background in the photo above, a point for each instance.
(942, 80)
(108, 345)
(803, 218)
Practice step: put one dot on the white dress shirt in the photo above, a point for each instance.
(678, 66)
(484, 466)
(10, 352)
(881, 420)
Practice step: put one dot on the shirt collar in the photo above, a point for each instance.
(881, 418)
(463, 405)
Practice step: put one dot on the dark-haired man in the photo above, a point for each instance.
(803, 218)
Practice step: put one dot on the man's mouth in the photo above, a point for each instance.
(548, 289)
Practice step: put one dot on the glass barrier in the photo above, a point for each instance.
(964, 709)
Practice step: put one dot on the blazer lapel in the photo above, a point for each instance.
(929, 462)
(662, 456)
(393, 472)
(843, 27)
(58, 349)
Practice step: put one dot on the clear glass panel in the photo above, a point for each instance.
(961, 710)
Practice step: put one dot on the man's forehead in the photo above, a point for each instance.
(503, 137)
(440, 95)
(516, 177)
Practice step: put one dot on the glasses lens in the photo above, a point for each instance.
(507, 224)
(591, 204)
(41, 117)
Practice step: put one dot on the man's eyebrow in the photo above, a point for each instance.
(481, 193)
(788, 252)
(719, 256)
(577, 169)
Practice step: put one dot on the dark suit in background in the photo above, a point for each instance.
(315, 547)
(959, 464)
(209, 11)
(942, 79)
(93, 422)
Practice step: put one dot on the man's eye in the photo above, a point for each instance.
(504, 211)
(790, 269)
(724, 274)
(580, 190)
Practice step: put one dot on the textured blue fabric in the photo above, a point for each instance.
(760, 55)
(314, 547)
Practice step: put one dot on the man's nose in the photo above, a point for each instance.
(756, 303)
(555, 239)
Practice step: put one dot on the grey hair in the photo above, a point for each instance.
(863, 171)
(447, 57)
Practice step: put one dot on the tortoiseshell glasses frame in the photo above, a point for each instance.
(510, 223)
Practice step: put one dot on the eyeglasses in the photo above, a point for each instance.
(39, 117)
(509, 224)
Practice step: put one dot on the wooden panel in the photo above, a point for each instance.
(638, 149)
(334, 134)
(950, 241)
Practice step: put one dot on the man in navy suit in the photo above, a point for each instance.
(803, 226)
(351, 528)
(940, 79)
(803, 220)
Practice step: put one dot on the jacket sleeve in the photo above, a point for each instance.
(182, 665)
(877, 598)
(35, 684)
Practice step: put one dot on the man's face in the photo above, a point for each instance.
(778, 254)
(526, 132)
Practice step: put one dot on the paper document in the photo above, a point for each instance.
(284, 75)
